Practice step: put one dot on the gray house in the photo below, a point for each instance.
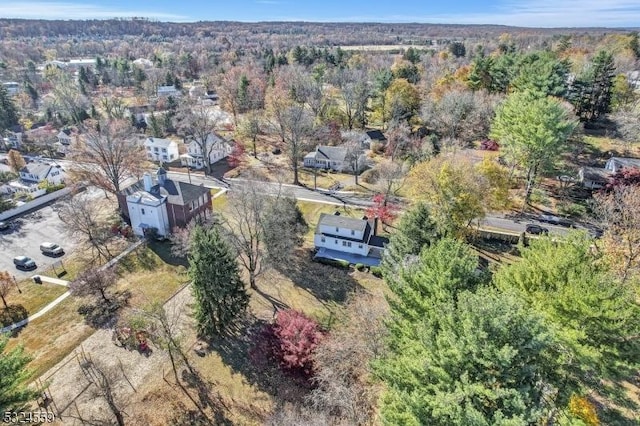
(598, 177)
(336, 158)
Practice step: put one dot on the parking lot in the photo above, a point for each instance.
(25, 236)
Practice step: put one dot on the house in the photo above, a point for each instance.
(161, 150)
(598, 177)
(163, 204)
(40, 172)
(166, 91)
(217, 147)
(64, 137)
(377, 136)
(361, 138)
(337, 158)
(12, 87)
(350, 239)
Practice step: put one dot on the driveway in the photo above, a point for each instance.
(27, 233)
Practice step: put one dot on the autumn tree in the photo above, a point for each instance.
(6, 285)
(455, 192)
(532, 131)
(382, 79)
(296, 124)
(66, 99)
(241, 89)
(107, 155)
(15, 160)
(14, 392)
(402, 99)
(94, 282)
(391, 176)
(218, 290)
(250, 127)
(355, 92)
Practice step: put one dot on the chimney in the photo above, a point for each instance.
(148, 182)
(162, 176)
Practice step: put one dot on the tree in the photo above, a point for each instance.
(14, 392)
(200, 124)
(403, 100)
(296, 124)
(355, 92)
(94, 282)
(16, 161)
(627, 121)
(455, 192)
(6, 285)
(107, 155)
(619, 213)
(416, 230)
(497, 177)
(381, 209)
(218, 290)
(250, 127)
(390, 178)
(8, 112)
(457, 49)
(105, 380)
(532, 131)
(282, 215)
(595, 315)
(66, 98)
(241, 89)
(625, 177)
(480, 358)
(381, 81)
(591, 92)
(542, 72)
(236, 157)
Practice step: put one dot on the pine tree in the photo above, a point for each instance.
(590, 93)
(415, 231)
(14, 393)
(8, 111)
(220, 295)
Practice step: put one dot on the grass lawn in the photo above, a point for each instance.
(30, 300)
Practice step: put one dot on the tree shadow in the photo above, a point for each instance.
(163, 250)
(325, 282)
(203, 388)
(239, 350)
(102, 314)
(12, 314)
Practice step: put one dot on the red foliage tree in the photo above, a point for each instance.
(290, 341)
(382, 209)
(625, 177)
(237, 155)
(489, 145)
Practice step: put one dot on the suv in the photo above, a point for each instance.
(5, 226)
(51, 249)
(536, 229)
(25, 263)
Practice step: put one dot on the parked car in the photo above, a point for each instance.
(25, 263)
(5, 226)
(536, 229)
(51, 249)
(549, 218)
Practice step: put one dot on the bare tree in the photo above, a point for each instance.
(6, 285)
(94, 282)
(354, 156)
(619, 213)
(199, 123)
(66, 98)
(241, 89)
(398, 139)
(297, 125)
(627, 120)
(84, 218)
(113, 107)
(391, 177)
(250, 127)
(355, 91)
(105, 380)
(107, 155)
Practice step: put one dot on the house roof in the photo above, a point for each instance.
(376, 135)
(331, 153)
(159, 142)
(341, 222)
(626, 161)
(178, 193)
(39, 169)
(595, 174)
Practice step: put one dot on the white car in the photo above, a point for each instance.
(549, 218)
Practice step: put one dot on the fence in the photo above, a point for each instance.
(33, 204)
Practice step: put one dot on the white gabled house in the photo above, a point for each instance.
(161, 150)
(350, 239)
(216, 147)
(166, 91)
(337, 158)
(41, 172)
(598, 177)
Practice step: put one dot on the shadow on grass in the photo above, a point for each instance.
(12, 314)
(102, 314)
(163, 250)
(326, 283)
(237, 350)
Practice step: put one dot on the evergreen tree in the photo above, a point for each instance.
(220, 295)
(8, 112)
(14, 393)
(542, 72)
(590, 93)
(415, 231)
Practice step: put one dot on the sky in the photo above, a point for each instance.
(524, 13)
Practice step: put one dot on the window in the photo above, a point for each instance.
(337, 229)
(164, 157)
(322, 239)
(344, 244)
(348, 243)
(148, 148)
(155, 149)
(359, 245)
(142, 211)
(336, 241)
(353, 232)
(164, 150)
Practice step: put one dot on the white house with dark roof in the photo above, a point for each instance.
(598, 177)
(64, 136)
(41, 172)
(347, 238)
(216, 147)
(161, 150)
(337, 158)
(166, 91)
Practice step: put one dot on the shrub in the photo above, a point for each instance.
(376, 271)
(369, 176)
(338, 263)
(489, 145)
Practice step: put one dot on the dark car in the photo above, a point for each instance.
(5, 226)
(536, 229)
(25, 263)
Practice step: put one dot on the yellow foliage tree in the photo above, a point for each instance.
(497, 177)
(581, 408)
